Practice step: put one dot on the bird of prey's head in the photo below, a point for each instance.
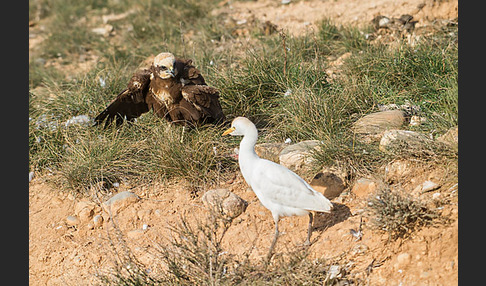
(163, 65)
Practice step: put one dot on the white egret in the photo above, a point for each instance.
(279, 189)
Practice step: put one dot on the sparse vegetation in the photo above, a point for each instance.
(399, 214)
(280, 84)
(195, 256)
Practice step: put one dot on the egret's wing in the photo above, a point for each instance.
(284, 187)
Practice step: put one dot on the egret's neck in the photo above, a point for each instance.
(247, 145)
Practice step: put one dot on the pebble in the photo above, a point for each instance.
(134, 234)
(84, 210)
(97, 221)
(31, 176)
(72, 220)
(403, 259)
(425, 187)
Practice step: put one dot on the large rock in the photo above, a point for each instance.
(405, 141)
(296, 156)
(270, 151)
(370, 128)
(120, 201)
(224, 203)
(328, 183)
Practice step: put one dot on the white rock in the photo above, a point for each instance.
(224, 203)
(103, 31)
(403, 259)
(296, 156)
(97, 221)
(428, 186)
(120, 201)
(404, 141)
(82, 120)
(334, 272)
(31, 176)
(417, 120)
(72, 220)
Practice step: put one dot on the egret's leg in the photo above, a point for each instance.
(272, 246)
(309, 230)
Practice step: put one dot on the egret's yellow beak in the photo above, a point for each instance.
(228, 131)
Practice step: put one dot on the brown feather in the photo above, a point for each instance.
(206, 99)
(188, 73)
(182, 99)
(130, 103)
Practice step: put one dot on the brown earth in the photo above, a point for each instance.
(60, 254)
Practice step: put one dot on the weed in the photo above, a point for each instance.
(398, 214)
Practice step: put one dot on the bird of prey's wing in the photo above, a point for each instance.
(204, 99)
(187, 73)
(130, 103)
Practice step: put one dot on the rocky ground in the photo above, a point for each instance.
(71, 237)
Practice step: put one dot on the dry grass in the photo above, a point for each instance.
(398, 214)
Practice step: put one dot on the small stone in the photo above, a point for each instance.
(403, 259)
(143, 214)
(359, 249)
(97, 221)
(72, 220)
(104, 31)
(134, 234)
(84, 210)
(224, 203)
(428, 186)
(334, 272)
(31, 176)
(120, 201)
(417, 120)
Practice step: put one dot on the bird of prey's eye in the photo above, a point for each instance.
(163, 68)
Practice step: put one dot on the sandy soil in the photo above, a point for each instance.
(60, 254)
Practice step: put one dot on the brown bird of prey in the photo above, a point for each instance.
(173, 88)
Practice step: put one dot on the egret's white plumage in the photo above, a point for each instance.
(279, 189)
